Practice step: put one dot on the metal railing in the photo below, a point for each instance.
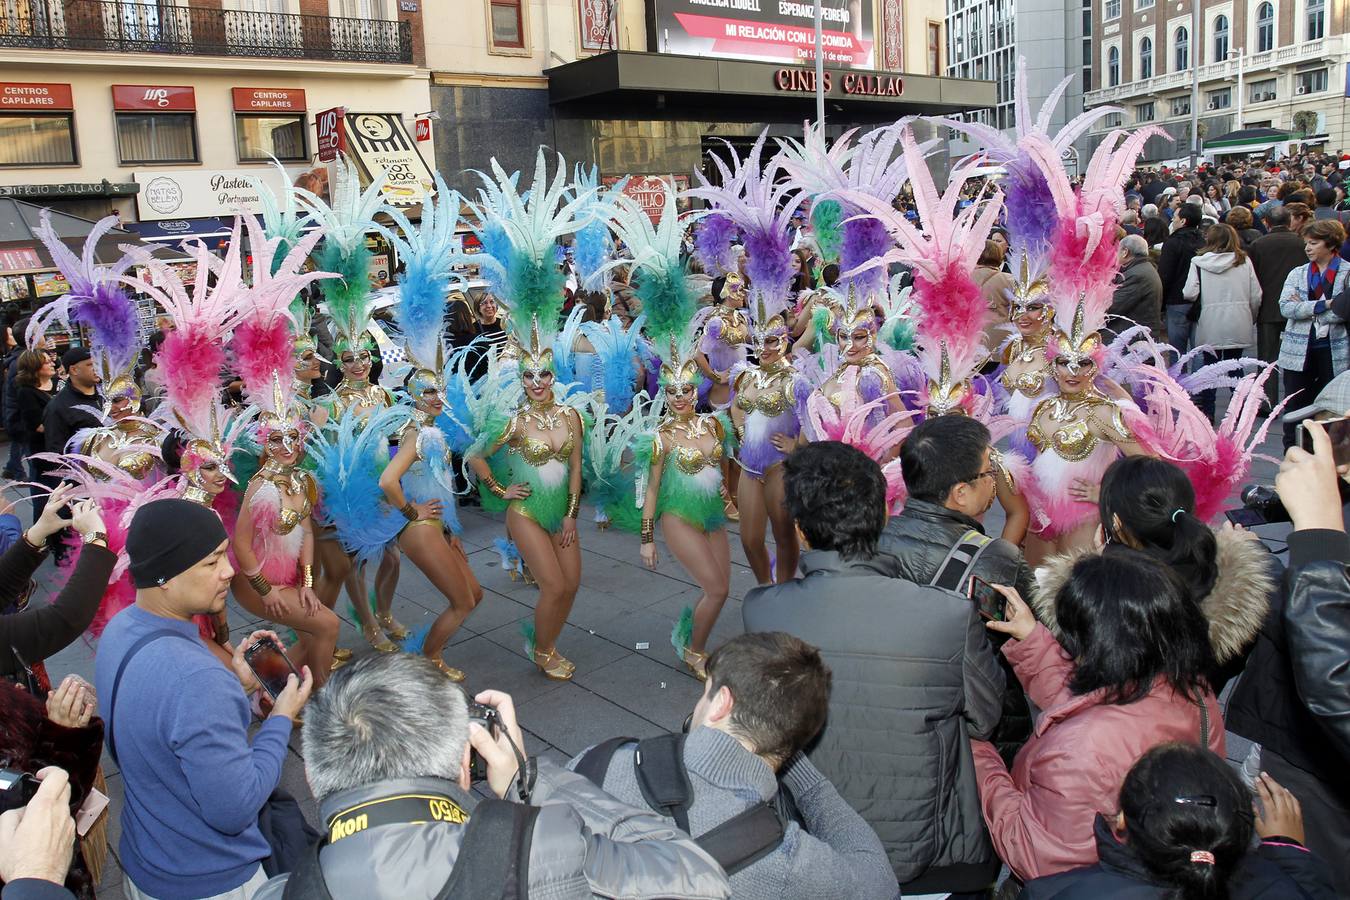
(148, 27)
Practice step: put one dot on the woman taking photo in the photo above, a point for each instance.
(1222, 282)
(1314, 347)
(35, 376)
(1128, 672)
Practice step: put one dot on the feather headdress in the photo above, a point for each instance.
(283, 216)
(344, 252)
(949, 340)
(97, 300)
(592, 244)
(752, 196)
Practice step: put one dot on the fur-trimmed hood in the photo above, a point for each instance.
(1235, 608)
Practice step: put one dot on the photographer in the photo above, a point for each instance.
(1294, 697)
(387, 747)
(36, 842)
(765, 699)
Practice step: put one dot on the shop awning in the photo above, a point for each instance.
(22, 252)
(1251, 140)
(626, 84)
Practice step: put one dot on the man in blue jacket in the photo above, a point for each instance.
(177, 719)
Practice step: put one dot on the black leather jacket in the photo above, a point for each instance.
(1294, 697)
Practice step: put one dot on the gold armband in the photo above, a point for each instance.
(307, 576)
(495, 486)
(409, 512)
(260, 584)
(573, 505)
(648, 531)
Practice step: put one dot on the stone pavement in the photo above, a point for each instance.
(628, 679)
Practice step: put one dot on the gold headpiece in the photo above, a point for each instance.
(767, 326)
(854, 315)
(202, 450)
(1077, 348)
(1027, 291)
(679, 371)
(121, 387)
(944, 396)
(536, 356)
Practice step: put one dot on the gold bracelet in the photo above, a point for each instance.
(36, 548)
(307, 579)
(260, 584)
(409, 512)
(573, 505)
(648, 531)
(495, 486)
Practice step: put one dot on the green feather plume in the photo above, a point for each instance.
(827, 224)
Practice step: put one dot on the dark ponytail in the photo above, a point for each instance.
(1188, 819)
(1155, 503)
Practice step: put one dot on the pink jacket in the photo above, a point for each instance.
(1041, 815)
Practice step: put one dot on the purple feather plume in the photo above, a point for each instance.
(865, 240)
(111, 315)
(769, 265)
(1030, 207)
(712, 243)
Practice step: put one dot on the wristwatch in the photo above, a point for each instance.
(97, 537)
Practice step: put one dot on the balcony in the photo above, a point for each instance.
(115, 26)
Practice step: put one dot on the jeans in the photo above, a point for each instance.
(14, 465)
(1208, 398)
(1317, 372)
(1268, 350)
(1179, 328)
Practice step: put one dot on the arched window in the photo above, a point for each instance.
(1317, 19)
(1220, 38)
(1113, 67)
(1265, 27)
(1146, 58)
(1182, 42)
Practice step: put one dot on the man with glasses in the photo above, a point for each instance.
(1138, 296)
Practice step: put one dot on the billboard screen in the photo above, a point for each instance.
(781, 31)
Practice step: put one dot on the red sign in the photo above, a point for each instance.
(268, 99)
(154, 97)
(21, 95)
(597, 24)
(19, 259)
(331, 138)
(766, 40)
(424, 129)
(650, 191)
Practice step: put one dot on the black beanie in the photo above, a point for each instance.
(168, 537)
(74, 356)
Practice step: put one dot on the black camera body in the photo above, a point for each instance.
(16, 789)
(485, 716)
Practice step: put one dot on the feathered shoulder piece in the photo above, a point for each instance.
(97, 300)
(427, 251)
(761, 205)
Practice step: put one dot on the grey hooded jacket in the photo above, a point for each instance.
(914, 681)
(585, 844)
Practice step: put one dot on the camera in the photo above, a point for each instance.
(485, 716)
(16, 789)
(1264, 503)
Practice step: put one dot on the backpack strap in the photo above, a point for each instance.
(594, 763)
(744, 839)
(661, 776)
(960, 561)
(117, 681)
(494, 857)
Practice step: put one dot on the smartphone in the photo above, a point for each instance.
(988, 601)
(270, 664)
(16, 789)
(1245, 516)
(1338, 430)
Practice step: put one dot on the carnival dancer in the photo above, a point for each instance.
(343, 251)
(726, 332)
(1026, 370)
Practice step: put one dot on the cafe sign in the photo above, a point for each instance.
(202, 193)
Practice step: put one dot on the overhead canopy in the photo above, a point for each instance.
(628, 84)
(1251, 140)
(22, 252)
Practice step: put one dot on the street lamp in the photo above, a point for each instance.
(1237, 54)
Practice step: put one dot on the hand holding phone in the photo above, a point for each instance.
(1338, 432)
(270, 665)
(989, 602)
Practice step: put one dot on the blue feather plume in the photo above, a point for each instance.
(348, 460)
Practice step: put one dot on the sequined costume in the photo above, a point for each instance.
(277, 535)
(765, 397)
(691, 477)
(431, 476)
(535, 462)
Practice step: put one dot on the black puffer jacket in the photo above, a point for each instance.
(914, 681)
(920, 538)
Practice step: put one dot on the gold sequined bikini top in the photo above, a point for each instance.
(735, 327)
(871, 361)
(346, 397)
(537, 451)
(1074, 440)
(121, 435)
(692, 460)
(291, 483)
(1030, 382)
(773, 389)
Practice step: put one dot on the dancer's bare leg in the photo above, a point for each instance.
(784, 532)
(754, 524)
(317, 633)
(707, 559)
(427, 549)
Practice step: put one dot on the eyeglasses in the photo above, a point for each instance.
(987, 473)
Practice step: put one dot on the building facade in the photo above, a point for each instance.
(1267, 65)
(650, 86)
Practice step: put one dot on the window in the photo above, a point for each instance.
(1182, 43)
(157, 137)
(1113, 67)
(508, 28)
(1181, 106)
(934, 48)
(1220, 38)
(1317, 19)
(256, 138)
(1111, 10)
(37, 140)
(1146, 58)
(1311, 82)
(1143, 112)
(1143, 4)
(1220, 99)
(1261, 91)
(1114, 120)
(1265, 27)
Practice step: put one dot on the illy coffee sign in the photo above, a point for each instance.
(154, 97)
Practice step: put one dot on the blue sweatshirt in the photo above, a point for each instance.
(194, 786)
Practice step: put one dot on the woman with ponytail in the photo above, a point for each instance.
(1149, 504)
(1184, 832)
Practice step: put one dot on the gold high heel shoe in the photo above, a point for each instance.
(554, 665)
(455, 675)
(697, 663)
(378, 640)
(342, 654)
(391, 626)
